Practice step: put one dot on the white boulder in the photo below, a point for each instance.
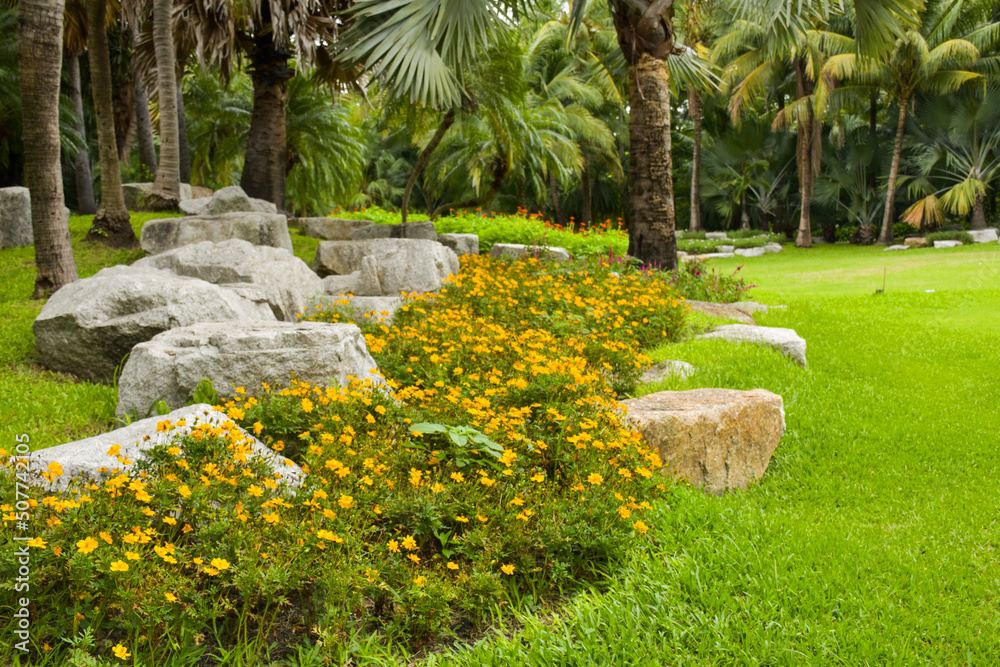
(462, 244)
(988, 235)
(518, 251)
(399, 265)
(785, 341)
(15, 218)
(751, 252)
(165, 234)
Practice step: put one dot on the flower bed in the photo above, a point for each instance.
(500, 468)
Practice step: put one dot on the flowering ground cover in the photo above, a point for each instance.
(495, 471)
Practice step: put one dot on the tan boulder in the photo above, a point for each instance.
(716, 439)
(916, 242)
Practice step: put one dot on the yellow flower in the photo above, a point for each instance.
(55, 469)
(131, 555)
(37, 542)
(345, 501)
(170, 597)
(220, 563)
(393, 546)
(595, 479)
(57, 551)
(120, 652)
(211, 571)
(184, 490)
(113, 451)
(482, 518)
(419, 581)
(507, 569)
(624, 512)
(85, 546)
(255, 490)
(409, 542)
(257, 428)
(169, 520)
(452, 566)
(105, 536)
(119, 566)
(462, 519)
(640, 526)
(458, 477)
(272, 518)
(307, 405)
(538, 477)
(414, 557)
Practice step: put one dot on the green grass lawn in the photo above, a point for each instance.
(873, 538)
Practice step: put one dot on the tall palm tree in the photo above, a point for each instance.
(929, 58)
(39, 46)
(166, 192)
(111, 225)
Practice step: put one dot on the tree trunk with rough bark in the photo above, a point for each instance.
(143, 124)
(744, 215)
(885, 236)
(804, 156)
(425, 156)
(266, 158)
(694, 104)
(111, 225)
(86, 203)
(651, 192)
(166, 193)
(557, 211)
(979, 213)
(182, 133)
(39, 51)
(586, 208)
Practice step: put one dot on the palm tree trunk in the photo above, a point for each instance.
(111, 225)
(979, 213)
(651, 190)
(804, 153)
(266, 158)
(890, 196)
(166, 193)
(39, 50)
(744, 216)
(586, 209)
(144, 128)
(425, 156)
(557, 211)
(182, 134)
(694, 104)
(86, 204)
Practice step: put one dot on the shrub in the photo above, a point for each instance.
(695, 281)
(964, 237)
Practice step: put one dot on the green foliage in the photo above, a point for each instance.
(695, 281)
(964, 237)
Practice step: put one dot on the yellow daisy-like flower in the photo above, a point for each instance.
(114, 450)
(131, 555)
(220, 563)
(458, 477)
(85, 546)
(507, 569)
(345, 501)
(452, 566)
(169, 520)
(105, 536)
(37, 543)
(409, 543)
(640, 526)
(462, 519)
(272, 518)
(595, 479)
(55, 469)
(538, 477)
(170, 597)
(307, 405)
(184, 490)
(414, 557)
(419, 581)
(119, 566)
(120, 652)
(393, 546)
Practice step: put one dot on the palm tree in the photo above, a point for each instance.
(39, 42)
(111, 224)
(74, 44)
(929, 58)
(166, 192)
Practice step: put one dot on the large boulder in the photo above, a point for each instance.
(372, 231)
(896, 247)
(462, 244)
(170, 366)
(715, 236)
(330, 229)
(88, 326)
(716, 439)
(137, 194)
(751, 252)
(948, 244)
(988, 235)
(399, 265)
(915, 242)
(785, 341)
(89, 458)
(667, 369)
(227, 200)
(518, 251)
(772, 247)
(420, 229)
(267, 229)
(239, 261)
(15, 218)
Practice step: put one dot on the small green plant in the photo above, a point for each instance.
(470, 444)
(964, 237)
(205, 393)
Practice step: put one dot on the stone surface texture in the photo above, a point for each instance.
(988, 235)
(751, 252)
(239, 261)
(915, 242)
(785, 341)
(726, 311)
(89, 457)
(947, 244)
(88, 326)
(330, 229)
(462, 244)
(170, 366)
(667, 368)
(716, 236)
(897, 247)
(401, 265)
(772, 247)
(165, 234)
(518, 250)
(136, 194)
(227, 200)
(15, 218)
(716, 439)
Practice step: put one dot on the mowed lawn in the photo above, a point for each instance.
(874, 537)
